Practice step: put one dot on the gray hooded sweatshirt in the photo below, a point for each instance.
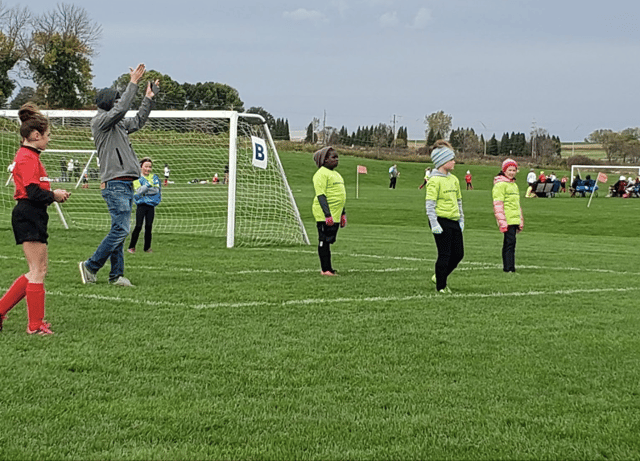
(111, 135)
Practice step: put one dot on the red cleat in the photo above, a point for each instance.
(42, 330)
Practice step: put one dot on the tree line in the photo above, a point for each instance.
(381, 135)
(54, 50)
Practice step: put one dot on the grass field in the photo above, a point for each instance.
(251, 354)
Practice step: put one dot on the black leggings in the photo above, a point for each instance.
(450, 250)
(144, 213)
(509, 248)
(326, 236)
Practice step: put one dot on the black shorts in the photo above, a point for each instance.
(327, 233)
(29, 222)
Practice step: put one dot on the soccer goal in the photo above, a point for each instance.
(613, 172)
(249, 202)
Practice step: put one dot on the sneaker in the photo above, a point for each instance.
(131, 250)
(86, 274)
(148, 251)
(42, 330)
(445, 290)
(121, 282)
(433, 279)
(328, 273)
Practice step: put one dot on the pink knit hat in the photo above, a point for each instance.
(507, 163)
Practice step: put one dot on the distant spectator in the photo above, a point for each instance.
(542, 177)
(468, 179)
(393, 176)
(531, 178)
(427, 173)
(167, 172)
(563, 183)
(619, 188)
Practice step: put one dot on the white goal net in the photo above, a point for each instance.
(249, 205)
(613, 173)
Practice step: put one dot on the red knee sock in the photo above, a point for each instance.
(35, 304)
(14, 294)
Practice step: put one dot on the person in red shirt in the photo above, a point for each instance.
(468, 178)
(29, 218)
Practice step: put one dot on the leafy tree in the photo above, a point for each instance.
(170, 96)
(271, 122)
(58, 56)
(541, 144)
(382, 135)
(211, 96)
(431, 137)
(12, 33)
(438, 122)
(26, 94)
(617, 145)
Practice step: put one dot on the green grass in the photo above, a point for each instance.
(251, 354)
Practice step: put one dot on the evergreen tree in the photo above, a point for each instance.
(310, 135)
(492, 146)
(455, 139)
(505, 145)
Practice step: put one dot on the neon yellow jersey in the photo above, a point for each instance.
(330, 184)
(508, 193)
(445, 191)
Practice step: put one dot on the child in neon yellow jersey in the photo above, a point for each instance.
(328, 205)
(506, 207)
(444, 210)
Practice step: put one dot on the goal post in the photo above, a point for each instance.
(248, 205)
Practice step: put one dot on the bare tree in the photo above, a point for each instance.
(13, 22)
(70, 21)
(57, 55)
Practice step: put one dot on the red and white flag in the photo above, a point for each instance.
(602, 178)
(362, 169)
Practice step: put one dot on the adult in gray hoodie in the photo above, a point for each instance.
(119, 167)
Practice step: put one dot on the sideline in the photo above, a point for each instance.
(312, 301)
(472, 266)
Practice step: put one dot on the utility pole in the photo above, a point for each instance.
(534, 135)
(324, 125)
(394, 131)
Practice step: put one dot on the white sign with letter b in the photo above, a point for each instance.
(259, 153)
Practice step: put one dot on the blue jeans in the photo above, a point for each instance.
(119, 198)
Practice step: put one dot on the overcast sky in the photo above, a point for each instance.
(496, 66)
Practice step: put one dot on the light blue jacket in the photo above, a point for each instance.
(153, 193)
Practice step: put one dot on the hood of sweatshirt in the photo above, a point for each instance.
(502, 178)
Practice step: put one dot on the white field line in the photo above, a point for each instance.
(314, 301)
(473, 265)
